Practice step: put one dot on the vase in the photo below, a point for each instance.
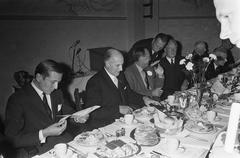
(199, 93)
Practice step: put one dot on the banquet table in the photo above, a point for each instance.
(195, 145)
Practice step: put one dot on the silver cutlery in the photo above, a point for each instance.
(158, 153)
(77, 151)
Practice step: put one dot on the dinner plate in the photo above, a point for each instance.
(166, 131)
(200, 127)
(114, 145)
(90, 139)
(133, 137)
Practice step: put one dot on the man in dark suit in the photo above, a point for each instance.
(31, 123)
(200, 51)
(142, 78)
(154, 45)
(174, 75)
(218, 66)
(109, 89)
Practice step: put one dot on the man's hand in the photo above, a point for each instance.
(184, 85)
(157, 92)
(80, 119)
(149, 101)
(159, 71)
(123, 109)
(55, 129)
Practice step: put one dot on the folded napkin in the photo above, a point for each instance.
(218, 88)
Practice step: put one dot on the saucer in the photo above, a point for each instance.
(178, 151)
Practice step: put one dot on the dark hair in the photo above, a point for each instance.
(46, 66)
(22, 77)
(164, 37)
(220, 49)
(173, 41)
(138, 52)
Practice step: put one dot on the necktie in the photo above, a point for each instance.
(172, 61)
(46, 106)
(145, 78)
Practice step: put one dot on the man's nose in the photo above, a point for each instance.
(55, 86)
(120, 68)
(225, 30)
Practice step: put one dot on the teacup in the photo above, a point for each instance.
(237, 97)
(171, 99)
(128, 118)
(211, 115)
(172, 144)
(60, 150)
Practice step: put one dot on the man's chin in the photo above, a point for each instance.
(238, 44)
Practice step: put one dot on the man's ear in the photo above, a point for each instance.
(39, 77)
(107, 63)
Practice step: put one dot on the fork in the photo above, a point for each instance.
(158, 153)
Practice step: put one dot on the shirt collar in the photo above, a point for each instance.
(169, 59)
(110, 75)
(39, 92)
(139, 68)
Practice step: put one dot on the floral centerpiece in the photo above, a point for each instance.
(196, 71)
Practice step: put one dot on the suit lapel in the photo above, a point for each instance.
(109, 80)
(36, 101)
(139, 77)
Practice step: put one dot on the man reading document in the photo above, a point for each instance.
(31, 123)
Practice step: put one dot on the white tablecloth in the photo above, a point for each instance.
(196, 145)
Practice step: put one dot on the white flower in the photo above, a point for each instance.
(149, 73)
(189, 66)
(182, 61)
(206, 59)
(189, 56)
(213, 56)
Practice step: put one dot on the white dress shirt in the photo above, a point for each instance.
(113, 78)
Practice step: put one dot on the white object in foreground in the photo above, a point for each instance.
(232, 128)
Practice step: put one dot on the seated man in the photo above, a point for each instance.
(109, 89)
(142, 78)
(217, 66)
(154, 45)
(174, 75)
(31, 122)
(200, 51)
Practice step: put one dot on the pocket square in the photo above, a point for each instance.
(125, 88)
(59, 107)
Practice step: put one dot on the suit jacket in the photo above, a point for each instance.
(26, 115)
(101, 90)
(146, 43)
(136, 82)
(213, 72)
(174, 76)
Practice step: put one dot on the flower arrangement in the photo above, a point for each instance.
(197, 69)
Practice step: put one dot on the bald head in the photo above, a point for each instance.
(228, 14)
(113, 60)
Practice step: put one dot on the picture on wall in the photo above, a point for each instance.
(91, 8)
(186, 8)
